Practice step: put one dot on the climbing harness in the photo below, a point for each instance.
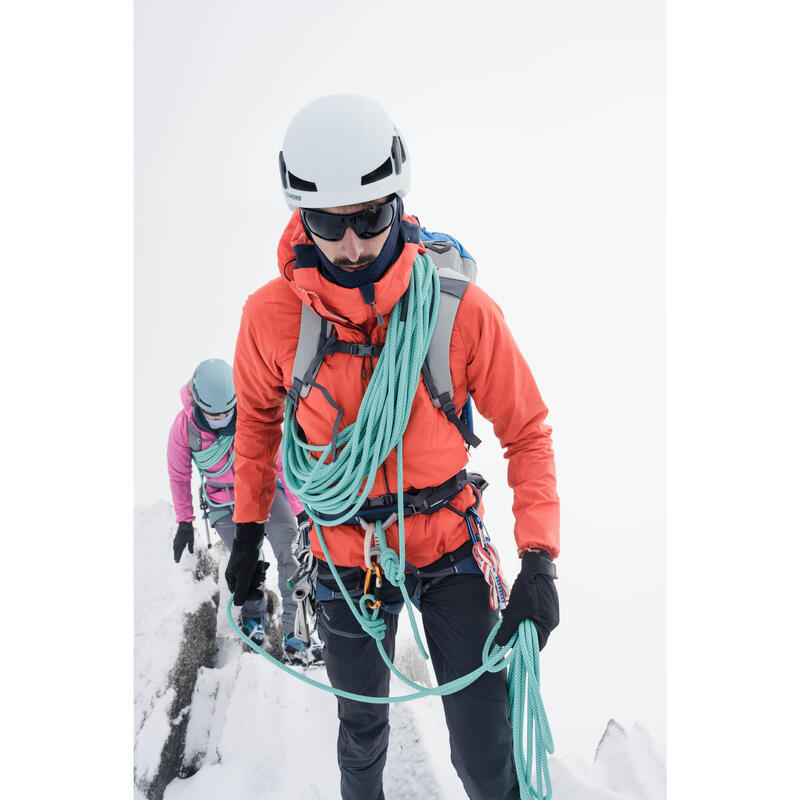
(334, 487)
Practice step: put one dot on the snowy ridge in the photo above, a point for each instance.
(251, 731)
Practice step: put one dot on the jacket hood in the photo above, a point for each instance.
(186, 399)
(298, 259)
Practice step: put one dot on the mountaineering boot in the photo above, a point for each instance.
(253, 628)
(296, 654)
(315, 654)
(293, 651)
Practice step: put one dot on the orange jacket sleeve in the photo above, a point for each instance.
(260, 400)
(506, 394)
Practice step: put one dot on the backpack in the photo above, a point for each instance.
(317, 338)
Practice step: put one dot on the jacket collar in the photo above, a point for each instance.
(298, 260)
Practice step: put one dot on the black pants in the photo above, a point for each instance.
(457, 619)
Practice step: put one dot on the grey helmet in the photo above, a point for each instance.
(342, 150)
(212, 386)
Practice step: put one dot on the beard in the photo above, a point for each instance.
(352, 266)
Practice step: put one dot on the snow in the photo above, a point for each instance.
(152, 734)
(253, 731)
(163, 593)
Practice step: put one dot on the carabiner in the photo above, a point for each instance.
(482, 536)
(374, 569)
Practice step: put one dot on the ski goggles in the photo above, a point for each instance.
(367, 223)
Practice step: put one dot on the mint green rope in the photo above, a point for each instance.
(216, 451)
(519, 654)
(490, 662)
(334, 486)
(342, 486)
(528, 717)
(205, 459)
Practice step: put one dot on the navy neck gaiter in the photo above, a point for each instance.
(202, 422)
(392, 248)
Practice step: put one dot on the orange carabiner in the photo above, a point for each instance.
(375, 570)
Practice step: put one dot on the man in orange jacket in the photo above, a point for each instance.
(347, 254)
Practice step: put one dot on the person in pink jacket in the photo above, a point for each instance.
(203, 433)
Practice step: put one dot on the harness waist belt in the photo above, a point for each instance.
(459, 562)
(415, 501)
(445, 563)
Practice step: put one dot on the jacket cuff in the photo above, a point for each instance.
(249, 532)
(538, 563)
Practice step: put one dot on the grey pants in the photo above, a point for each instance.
(280, 530)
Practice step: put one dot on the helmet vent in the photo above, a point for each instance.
(396, 155)
(299, 183)
(383, 171)
(283, 170)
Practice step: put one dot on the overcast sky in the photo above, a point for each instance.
(536, 135)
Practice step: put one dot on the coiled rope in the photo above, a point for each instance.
(205, 459)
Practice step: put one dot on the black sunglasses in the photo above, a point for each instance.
(370, 221)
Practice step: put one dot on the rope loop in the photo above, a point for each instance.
(390, 564)
(216, 451)
(370, 622)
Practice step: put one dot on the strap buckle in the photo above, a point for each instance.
(369, 527)
(361, 349)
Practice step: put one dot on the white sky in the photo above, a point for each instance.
(536, 135)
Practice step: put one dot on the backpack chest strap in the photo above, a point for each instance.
(318, 338)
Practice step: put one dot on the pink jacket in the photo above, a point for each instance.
(179, 466)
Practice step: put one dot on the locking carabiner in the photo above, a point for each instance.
(375, 571)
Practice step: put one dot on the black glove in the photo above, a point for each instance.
(183, 538)
(245, 572)
(533, 597)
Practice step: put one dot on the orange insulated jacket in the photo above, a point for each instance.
(484, 360)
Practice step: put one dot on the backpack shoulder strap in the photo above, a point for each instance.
(316, 340)
(436, 369)
(437, 361)
(194, 435)
(314, 334)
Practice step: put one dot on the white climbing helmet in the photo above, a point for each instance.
(341, 150)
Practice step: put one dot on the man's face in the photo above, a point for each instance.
(352, 253)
